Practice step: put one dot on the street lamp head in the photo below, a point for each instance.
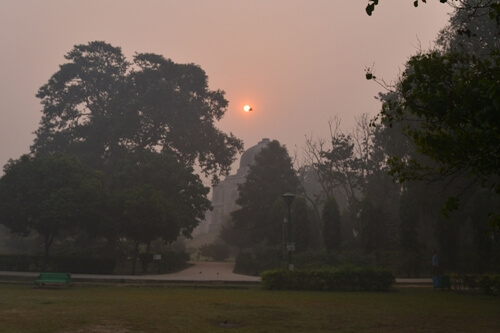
(288, 197)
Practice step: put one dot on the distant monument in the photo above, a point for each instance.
(224, 195)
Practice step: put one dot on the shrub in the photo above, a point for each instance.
(72, 264)
(217, 251)
(245, 264)
(22, 263)
(345, 278)
(172, 261)
(263, 258)
(82, 264)
(485, 284)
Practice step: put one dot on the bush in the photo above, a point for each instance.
(171, 261)
(345, 278)
(146, 258)
(217, 251)
(245, 264)
(85, 265)
(484, 283)
(21, 263)
(72, 264)
(263, 258)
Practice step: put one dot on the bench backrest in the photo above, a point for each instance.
(54, 276)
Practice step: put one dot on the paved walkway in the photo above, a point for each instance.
(198, 271)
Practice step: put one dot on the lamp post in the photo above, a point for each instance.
(288, 197)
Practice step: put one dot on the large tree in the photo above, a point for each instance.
(447, 102)
(99, 106)
(52, 195)
(270, 177)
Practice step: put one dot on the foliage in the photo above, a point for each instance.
(218, 251)
(99, 105)
(270, 177)
(263, 258)
(408, 234)
(332, 235)
(52, 195)
(461, 4)
(345, 278)
(145, 125)
(488, 284)
(176, 187)
(373, 231)
(171, 261)
(342, 162)
(451, 101)
(301, 225)
(446, 103)
(58, 263)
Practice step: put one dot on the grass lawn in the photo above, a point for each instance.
(89, 308)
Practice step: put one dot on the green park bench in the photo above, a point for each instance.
(44, 278)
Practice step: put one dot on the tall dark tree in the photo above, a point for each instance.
(270, 177)
(373, 231)
(332, 231)
(52, 195)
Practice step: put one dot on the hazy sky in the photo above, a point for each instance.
(296, 62)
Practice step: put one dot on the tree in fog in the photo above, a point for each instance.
(302, 225)
(343, 164)
(144, 123)
(269, 177)
(332, 230)
(373, 231)
(448, 101)
(100, 106)
(53, 195)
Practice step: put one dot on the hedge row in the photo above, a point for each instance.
(74, 264)
(481, 283)
(345, 278)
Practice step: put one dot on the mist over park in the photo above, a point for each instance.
(143, 164)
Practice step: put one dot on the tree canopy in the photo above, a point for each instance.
(51, 195)
(100, 106)
(447, 103)
(270, 177)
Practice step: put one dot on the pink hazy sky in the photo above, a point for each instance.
(296, 62)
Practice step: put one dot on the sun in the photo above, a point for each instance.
(247, 108)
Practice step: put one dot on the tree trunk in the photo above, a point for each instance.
(134, 257)
(48, 239)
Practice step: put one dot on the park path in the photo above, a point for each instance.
(197, 271)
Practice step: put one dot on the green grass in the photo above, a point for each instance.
(159, 308)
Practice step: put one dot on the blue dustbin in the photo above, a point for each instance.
(437, 281)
